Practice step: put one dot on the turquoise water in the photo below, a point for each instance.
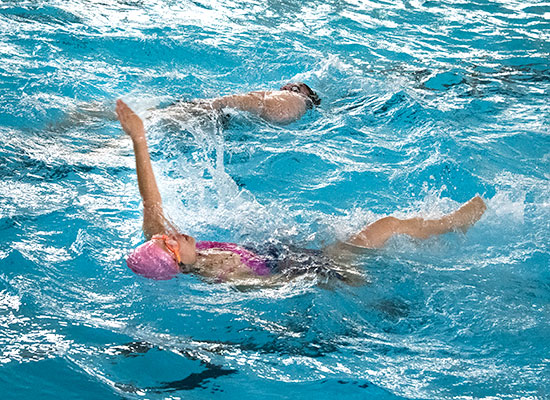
(424, 105)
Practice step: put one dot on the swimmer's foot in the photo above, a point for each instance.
(130, 121)
(468, 214)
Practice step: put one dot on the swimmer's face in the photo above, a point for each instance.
(298, 88)
(178, 244)
(304, 90)
(188, 251)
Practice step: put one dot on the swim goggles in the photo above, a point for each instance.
(295, 89)
(310, 96)
(175, 250)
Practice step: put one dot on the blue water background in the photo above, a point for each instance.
(424, 104)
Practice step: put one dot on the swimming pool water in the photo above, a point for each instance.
(424, 104)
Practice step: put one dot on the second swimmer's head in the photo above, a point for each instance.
(305, 90)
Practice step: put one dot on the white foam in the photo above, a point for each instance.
(506, 207)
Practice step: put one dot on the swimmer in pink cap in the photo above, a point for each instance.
(169, 252)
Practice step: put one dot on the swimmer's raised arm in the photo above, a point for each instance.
(153, 217)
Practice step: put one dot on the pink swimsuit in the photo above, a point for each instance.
(248, 258)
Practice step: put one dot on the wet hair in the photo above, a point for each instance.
(305, 90)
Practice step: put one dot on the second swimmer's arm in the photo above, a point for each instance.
(251, 102)
(153, 217)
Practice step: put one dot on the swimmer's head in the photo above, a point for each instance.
(305, 90)
(163, 257)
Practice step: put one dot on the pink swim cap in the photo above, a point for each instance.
(151, 261)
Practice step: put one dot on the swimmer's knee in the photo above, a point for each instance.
(417, 227)
(376, 234)
(389, 223)
(411, 226)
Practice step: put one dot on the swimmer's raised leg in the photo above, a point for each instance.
(377, 234)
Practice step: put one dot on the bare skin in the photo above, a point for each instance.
(280, 106)
(377, 234)
(226, 265)
(222, 265)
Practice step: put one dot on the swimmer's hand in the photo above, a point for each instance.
(131, 123)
